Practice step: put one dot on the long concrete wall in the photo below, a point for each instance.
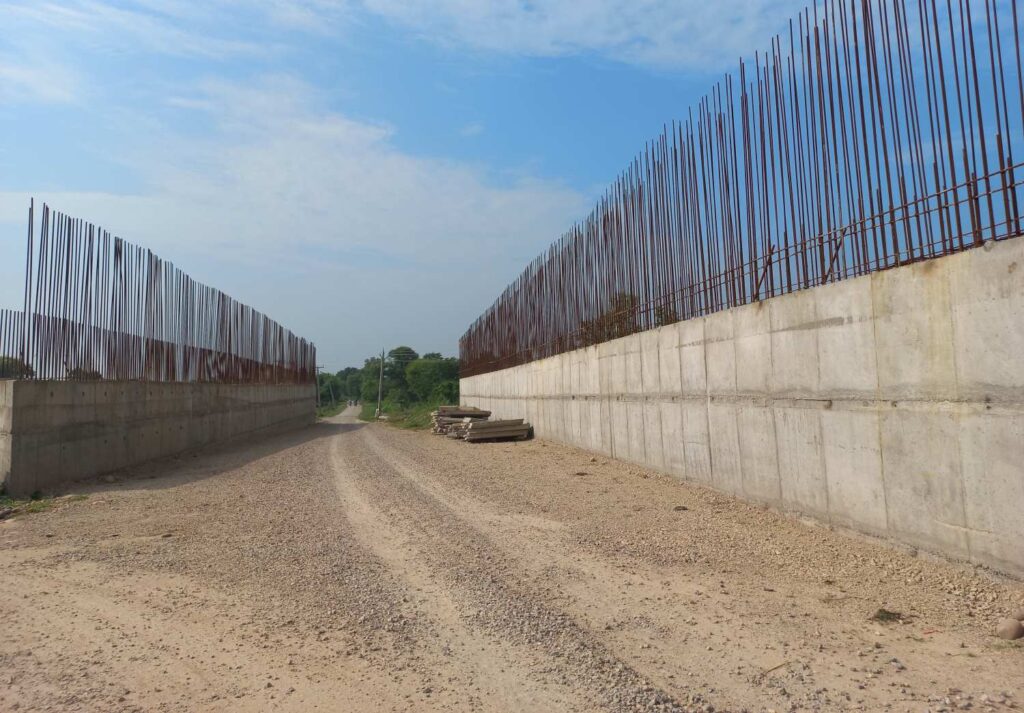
(57, 431)
(892, 404)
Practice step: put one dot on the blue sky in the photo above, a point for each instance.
(367, 172)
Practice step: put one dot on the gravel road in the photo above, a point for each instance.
(353, 567)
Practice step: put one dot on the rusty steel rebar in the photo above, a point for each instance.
(99, 307)
(875, 133)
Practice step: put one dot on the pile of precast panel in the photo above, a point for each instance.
(472, 424)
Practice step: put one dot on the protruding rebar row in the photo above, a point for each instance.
(98, 307)
(873, 134)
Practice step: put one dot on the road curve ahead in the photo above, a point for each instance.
(355, 567)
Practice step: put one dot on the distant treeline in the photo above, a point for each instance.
(409, 379)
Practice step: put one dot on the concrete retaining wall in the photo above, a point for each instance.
(892, 404)
(57, 431)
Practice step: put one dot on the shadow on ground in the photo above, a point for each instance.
(206, 462)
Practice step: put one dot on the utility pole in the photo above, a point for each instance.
(318, 386)
(380, 383)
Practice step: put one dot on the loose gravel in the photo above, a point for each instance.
(365, 568)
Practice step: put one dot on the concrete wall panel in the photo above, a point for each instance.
(853, 469)
(673, 452)
(669, 379)
(846, 340)
(696, 441)
(987, 299)
(618, 425)
(692, 358)
(801, 460)
(891, 403)
(914, 332)
(990, 451)
(725, 448)
(604, 427)
(633, 365)
(650, 362)
(636, 449)
(54, 432)
(759, 464)
(753, 344)
(794, 347)
(5, 455)
(6, 412)
(720, 353)
(654, 455)
(923, 491)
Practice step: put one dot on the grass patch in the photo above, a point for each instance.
(416, 416)
(413, 416)
(329, 410)
(885, 616)
(37, 502)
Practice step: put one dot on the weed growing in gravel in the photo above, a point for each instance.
(37, 502)
(330, 410)
(415, 416)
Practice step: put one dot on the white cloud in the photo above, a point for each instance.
(312, 216)
(670, 34)
(39, 82)
(674, 34)
(320, 221)
(472, 129)
(212, 29)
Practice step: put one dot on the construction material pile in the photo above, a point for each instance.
(487, 430)
(471, 424)
(447, 417)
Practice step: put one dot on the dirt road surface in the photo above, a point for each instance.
(353, 567)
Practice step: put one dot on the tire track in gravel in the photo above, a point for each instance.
(181, 656)
(663, 621)
(719, 629)
(428, 539)
(492, 670)
(597, 587)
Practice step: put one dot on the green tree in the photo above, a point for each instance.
(14, 368)
(354, 385)
(425, 375)
(331, 389)
(665, 314)
(447, 392)
(369, 373)
(394, 366)
(619, 320)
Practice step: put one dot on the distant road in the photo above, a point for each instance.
(354, 567)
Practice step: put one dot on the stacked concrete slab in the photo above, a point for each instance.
(892, 403)
(57, 431)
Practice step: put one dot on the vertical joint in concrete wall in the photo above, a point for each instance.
(57, 431)
(892, 403)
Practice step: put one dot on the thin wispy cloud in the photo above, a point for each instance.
(37, 82)
(237, 151)
(668, 34)
(278, 185)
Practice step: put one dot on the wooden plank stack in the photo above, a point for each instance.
(447, 417)
(491, 430)
(471, 424)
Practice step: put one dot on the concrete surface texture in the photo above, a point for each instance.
(57, 431)
(892, 404)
